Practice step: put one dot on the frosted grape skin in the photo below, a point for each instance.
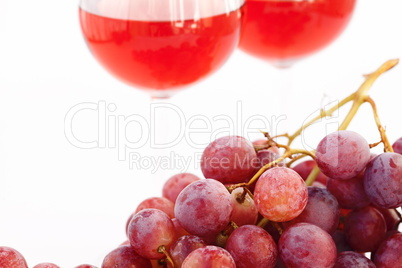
(342, 154)
(230, 159)
(11, 258)
(252, 246)
(306, 245)
(348, 259)
(388, 253)
(280, 194)
(148, 230)
(204, 208)
(209, 256)
(383, 180)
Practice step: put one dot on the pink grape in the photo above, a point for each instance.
(280, 194)
(252, 246)
(365, 228)
(174, 185)
(125, 256)
(304, 169)
(322, 209)
(383, 180)
(148, 230)
(183, 246)
(46, 265)
(160, 203)
(229, 159)
(349, 193)
(209, 257)
(397, 146)
(306, 245)
(342, 155)
(11, 258)
(348, 259)
(389, 252)
(243, 212)
(204, 208)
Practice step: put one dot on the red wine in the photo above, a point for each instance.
(286, 30)
(161, 55)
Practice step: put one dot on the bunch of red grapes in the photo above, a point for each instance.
(278, 221)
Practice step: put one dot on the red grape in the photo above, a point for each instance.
(85, 266)
(46, 265)
(244, 211)
(383, 180)
(391, 218)
(304, 169)
(204, 207)
(160, 203)
(148, 230)
(174, 185)
(349, 193)
(389, 252)
(397, 146)
(183, 246)
(342, 155)
(229, 159)
(125, 256)
(252, 246)
(306, 245)
(322, 210)
(209, 257)
(280, 194)
(348, 259)
(11, 258)
(364, 229)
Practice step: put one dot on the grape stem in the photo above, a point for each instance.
(323, 114)
(289, 152)
(162, 250)
(264, 221)
(384, 138)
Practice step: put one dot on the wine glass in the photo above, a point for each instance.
(161, 45)
(284, 31)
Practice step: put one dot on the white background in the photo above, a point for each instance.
(63, 204)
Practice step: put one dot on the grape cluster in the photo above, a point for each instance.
(228, 220)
